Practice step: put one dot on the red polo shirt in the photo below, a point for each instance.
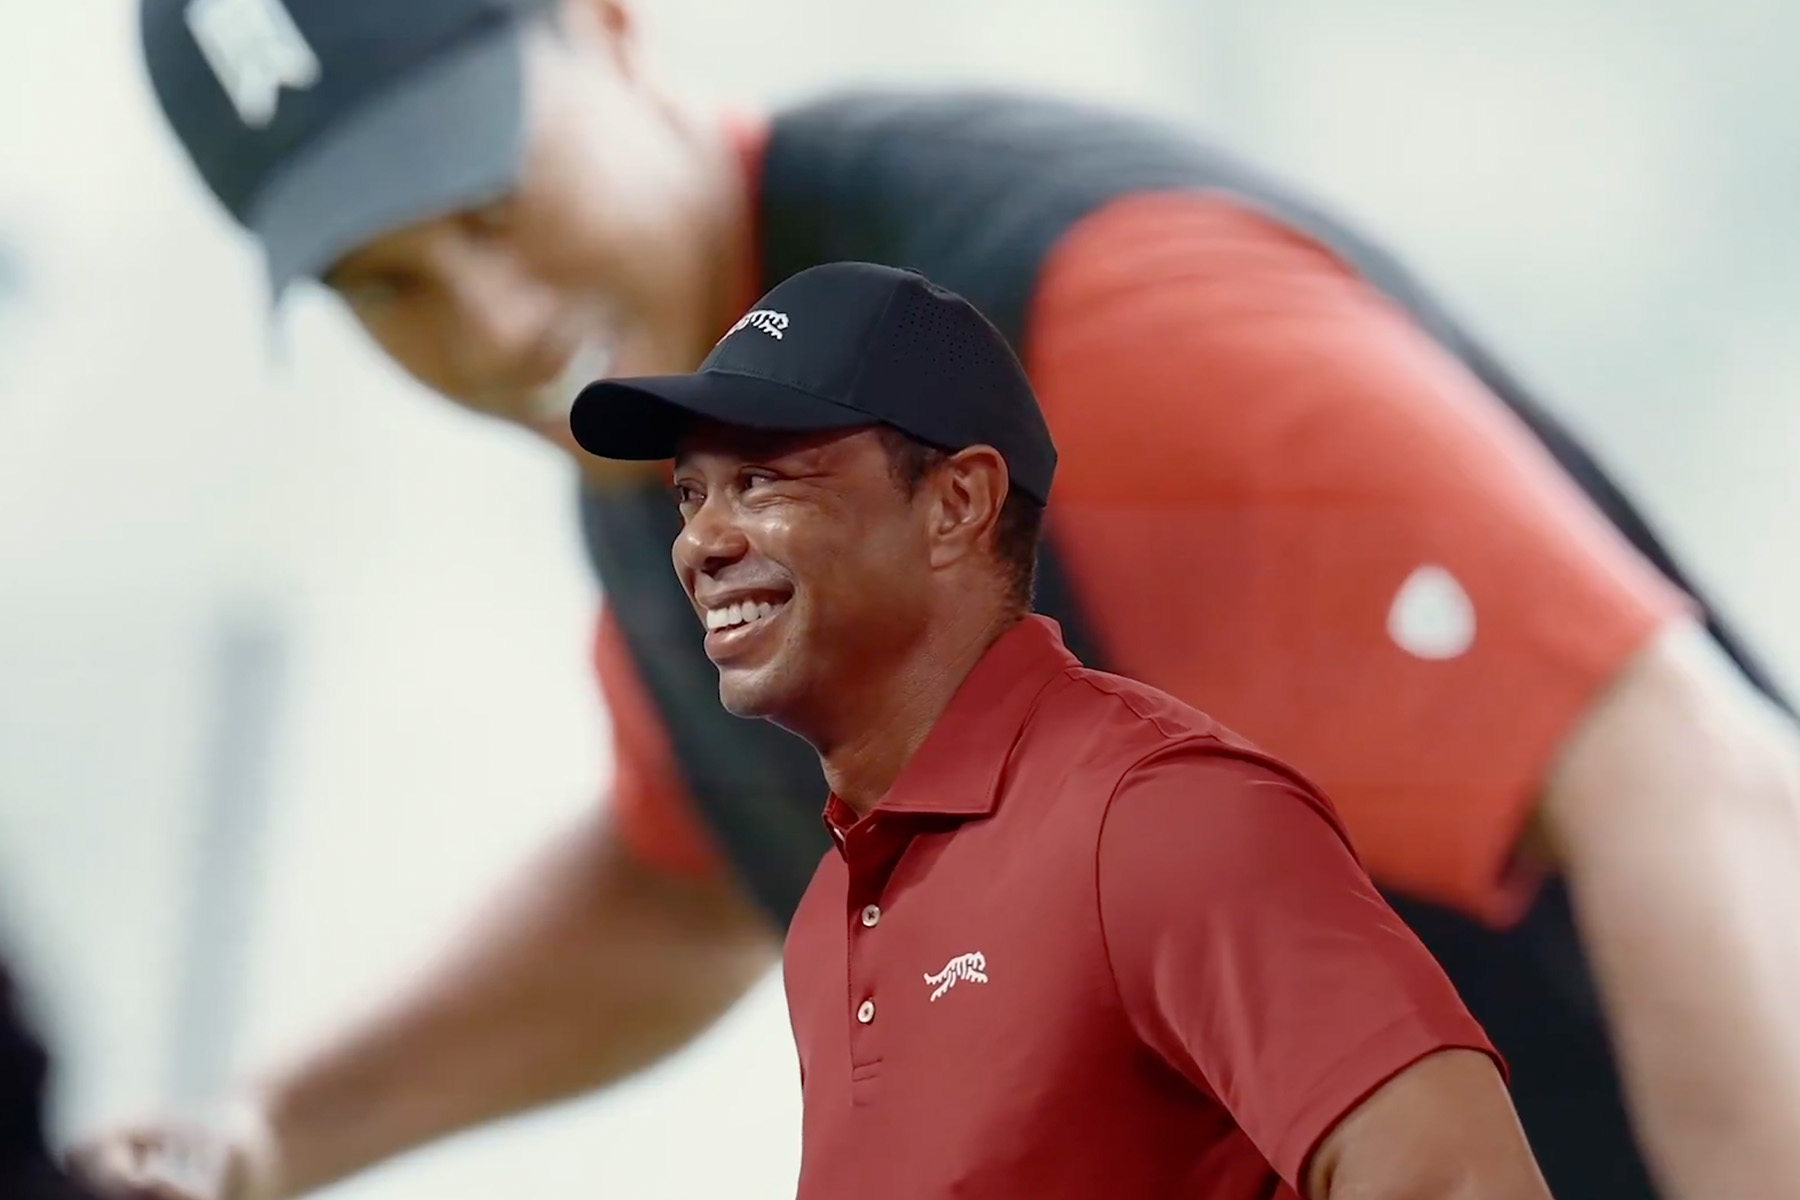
(1093, 944)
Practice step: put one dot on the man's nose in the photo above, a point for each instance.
(710, 540)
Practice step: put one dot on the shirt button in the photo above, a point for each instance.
(866, 1011)
(872, 915)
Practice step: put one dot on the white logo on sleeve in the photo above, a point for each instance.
(964, 968)
(1432, 617)
(765, 319)
(255, 49)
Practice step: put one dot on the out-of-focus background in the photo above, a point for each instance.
(293, 658)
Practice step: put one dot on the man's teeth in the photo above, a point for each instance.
(732, 615)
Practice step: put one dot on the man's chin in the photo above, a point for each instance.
(743, 698)
(758, 694)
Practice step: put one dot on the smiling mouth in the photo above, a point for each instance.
(741, 615)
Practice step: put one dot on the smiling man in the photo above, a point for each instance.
(1295, 492)
(1163, 971)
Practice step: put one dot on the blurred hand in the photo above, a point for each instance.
(235, 1158)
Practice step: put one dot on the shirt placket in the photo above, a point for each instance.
(872, 848)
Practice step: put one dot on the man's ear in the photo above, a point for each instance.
(968, 492)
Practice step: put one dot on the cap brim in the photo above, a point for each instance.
(447, 136)
(644, 419)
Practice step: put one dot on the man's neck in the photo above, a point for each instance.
(881, 734)
(746, 136)
(734, 145)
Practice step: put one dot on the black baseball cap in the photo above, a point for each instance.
(320, 124)
(840, 346)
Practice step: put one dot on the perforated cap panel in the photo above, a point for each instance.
(940, 371)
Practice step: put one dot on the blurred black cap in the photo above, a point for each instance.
(320, 124)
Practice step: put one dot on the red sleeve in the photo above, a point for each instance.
(650, 806)
(1253, 953)
(1283, 502)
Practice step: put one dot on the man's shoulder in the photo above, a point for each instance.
(1133, 703)
(959, 113)
(916, 153)
(972, 187)
(1115, 725)
(1116, 736)
(1097, 741)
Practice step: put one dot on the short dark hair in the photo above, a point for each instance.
(1016, 534)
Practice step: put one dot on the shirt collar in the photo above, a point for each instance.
(957, 771)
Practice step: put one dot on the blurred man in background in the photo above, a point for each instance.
(1391, 566)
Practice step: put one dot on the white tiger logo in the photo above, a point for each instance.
(967, 968)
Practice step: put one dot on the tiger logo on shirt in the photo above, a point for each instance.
(964, 968)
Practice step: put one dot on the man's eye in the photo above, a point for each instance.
(753, 479)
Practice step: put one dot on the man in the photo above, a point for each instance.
(1175, 979)
(1294, 492)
